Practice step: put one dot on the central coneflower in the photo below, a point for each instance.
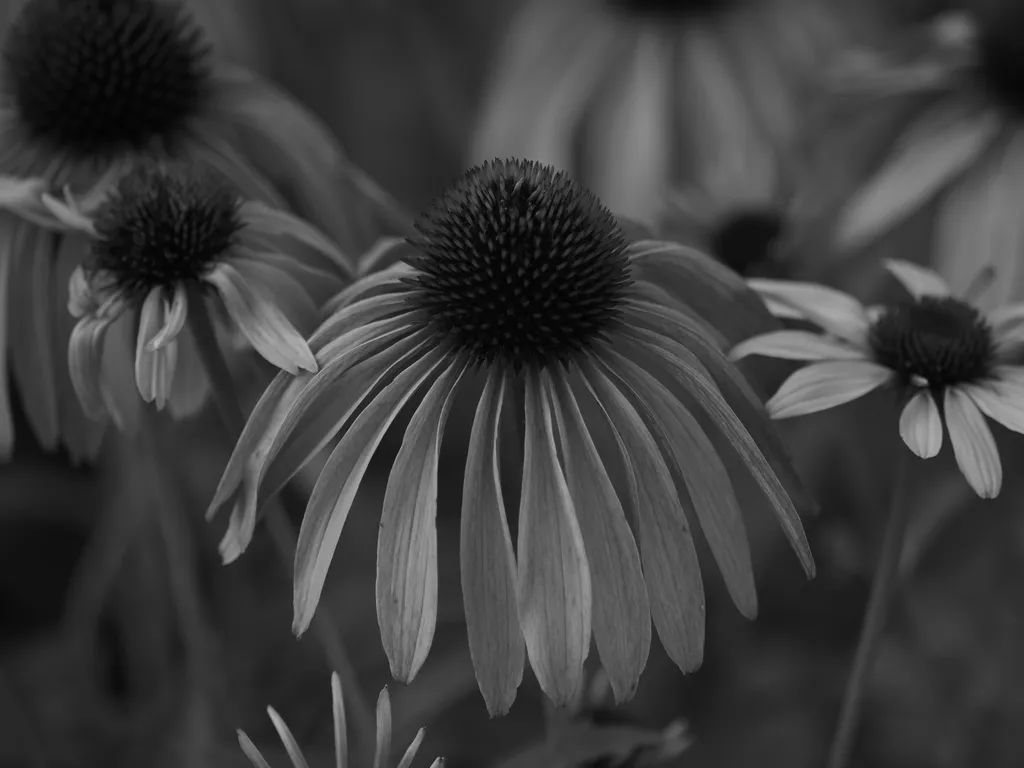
(172, 249)
(89, 87)
(522, 298)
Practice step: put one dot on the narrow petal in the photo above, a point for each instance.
(937, 148)
(621, 612)
(279, 223)
(251, 751)
(702, 472)
(382, 754)
(821, 386)
(407, 538)
(973, 444)
(687, 369)
(553, 583)
(288, 739)
(174, 320)
(921, 427)
(487, 562)
(412, 749)
(340, 727)
(919, 281)
(84, 355)
(836, 312)
(154, 366)
(271, 334)
(671, 569)
(31, 318)
(6, 416)
(387, 252)
(335, 489)
(290, 296)
(796, 345)
(67, 213)
(1001, 401)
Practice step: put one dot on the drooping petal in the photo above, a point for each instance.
(836, 312)
(821, 386)
(84, 354)
(671, 569)
(938, 147)
(407, 538)
(154, 365)
(292, 298)
(702, 472)
(279, 223)
(796, 345)
(973, 444)
(251, 751)
(31, 318)
(919, 281)
(271, 333)
(190, 386)
(621, 613)
(291, 746)
(687, 369)
(382, 754)
(553, 584)
(1001, 401)
(921, 426)
(335, 489)
(173, 321)
(488, 566)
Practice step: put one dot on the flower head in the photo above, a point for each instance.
(381, 758)
(521, 300)
(632, 96)
(88, 88)
(946, 102)
(170, 243)
(948, 361)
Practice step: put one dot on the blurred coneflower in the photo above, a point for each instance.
(956, 89)
(523, 282)
(382, 755)
(174, 254)
(629, 95)
(86, 88)
(952, 364)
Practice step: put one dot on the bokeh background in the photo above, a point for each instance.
(400, 83)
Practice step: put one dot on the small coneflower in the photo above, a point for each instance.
(629, 95)
(174, 255)
(522, 283)
(90, 86)
(382, 754)
(956, 101)
(952, 363)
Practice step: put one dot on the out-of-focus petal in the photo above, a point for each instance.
(973, 445)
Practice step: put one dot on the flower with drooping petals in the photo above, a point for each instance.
(952, 363)
(521, 299)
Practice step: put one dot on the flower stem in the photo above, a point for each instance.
(282, 531)
(882, 588)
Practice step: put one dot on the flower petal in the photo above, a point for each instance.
(921, 426)
(704, 475)
(154, 366)
(407, 538)
(973, 444)
(796, 345)
(174, 320)
(938, 147)
(280, 223)
(85, 350)
(256, 315)
(671, 569)
(687, 369)
(621, 612)
(554, 577)
(6, 416)
(412, 749)
(340, 727)
(335, 489)
(1001, 401)
(251, 751)
(821, 386)
(836, 312)
(288, 739)
(487, 562)
(382, 754)
(919, 281)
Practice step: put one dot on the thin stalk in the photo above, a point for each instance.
(882, 588)
(282, 532)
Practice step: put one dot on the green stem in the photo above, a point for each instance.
(882, 588)
(281, 530)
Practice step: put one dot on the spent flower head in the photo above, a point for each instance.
(949, 97)
(950, 363)
(522, 300)
(89, 87)
(174, 255)
(381, 758)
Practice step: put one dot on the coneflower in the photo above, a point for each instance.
(522, 283)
